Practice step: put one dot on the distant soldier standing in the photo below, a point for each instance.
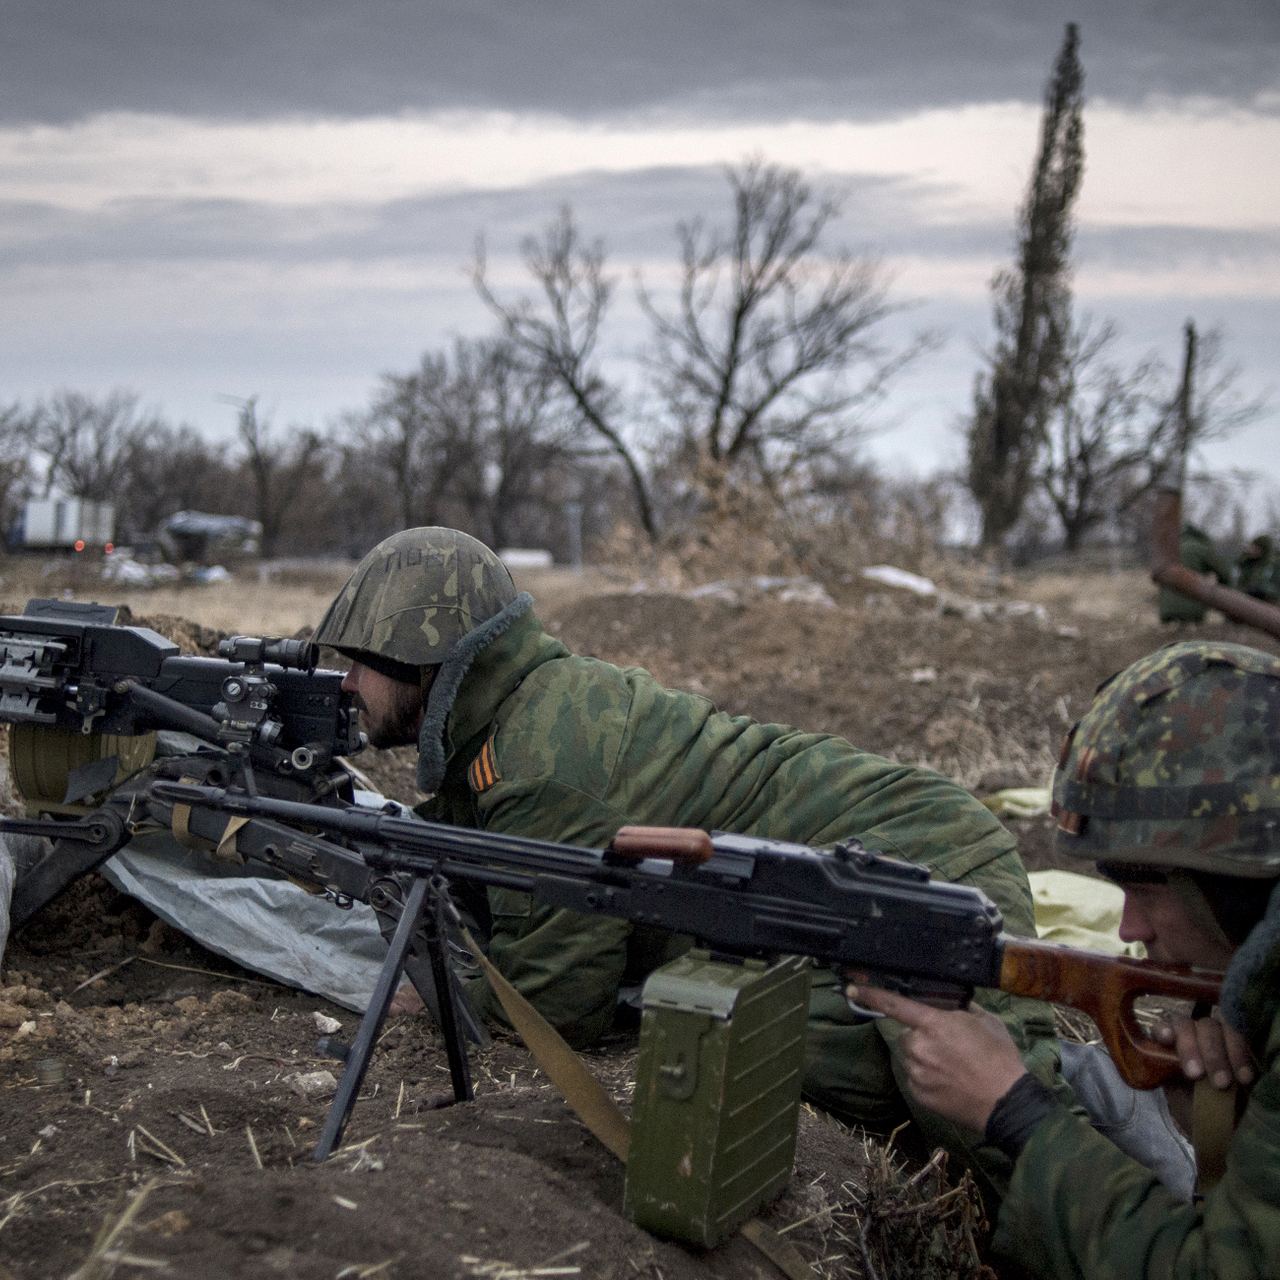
(1197, 552)
(1258, 570)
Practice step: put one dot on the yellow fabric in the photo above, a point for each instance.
(1019, 802)
(1079, 911)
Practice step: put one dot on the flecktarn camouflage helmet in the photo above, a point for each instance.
(1177, 764)
(428, 597)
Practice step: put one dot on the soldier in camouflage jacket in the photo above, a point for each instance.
(519, 735)
(1172, 782)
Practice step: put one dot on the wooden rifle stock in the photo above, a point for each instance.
(1105, 988)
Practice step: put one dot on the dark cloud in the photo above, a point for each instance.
(63, 59)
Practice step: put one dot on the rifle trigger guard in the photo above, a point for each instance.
(859, 1011)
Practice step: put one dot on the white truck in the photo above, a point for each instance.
(72, 524)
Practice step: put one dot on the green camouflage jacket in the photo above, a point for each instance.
(1077, 1208)
(544, 743)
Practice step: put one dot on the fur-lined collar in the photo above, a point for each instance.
(444, 690)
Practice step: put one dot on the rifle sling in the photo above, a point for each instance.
(580, 1089)
(1213, 1125)
(585, 1094)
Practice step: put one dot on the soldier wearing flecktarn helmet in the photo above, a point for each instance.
(1171, 784)
(518, 735)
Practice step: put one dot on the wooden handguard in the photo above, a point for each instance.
(1105, 988)
(680, 844)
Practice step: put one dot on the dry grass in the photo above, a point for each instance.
(1127, 595)
(282, 605)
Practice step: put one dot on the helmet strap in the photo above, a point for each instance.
(1197, 907)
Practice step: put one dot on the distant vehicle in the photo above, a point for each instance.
(525, 558)
(197, 535)
(65, 524)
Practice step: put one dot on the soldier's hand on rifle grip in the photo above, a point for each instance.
(960, 1062)
(1208, 1047)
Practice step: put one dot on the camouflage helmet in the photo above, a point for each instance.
(1177, 764)
(424, 598)
(413, 598)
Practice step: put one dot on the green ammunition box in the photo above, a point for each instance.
(717, 1099)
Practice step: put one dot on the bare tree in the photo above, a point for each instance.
(425, 430)
(90, 443)
(1110, 424)
(15, 462)
(471, 437)
(174, 469)
(1101, 429)
(770, 361)
(1012, 401)
(278, 469)
(561, 344)
(1209, 404)
(526, 453)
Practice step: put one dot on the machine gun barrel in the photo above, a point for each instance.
(166, 713)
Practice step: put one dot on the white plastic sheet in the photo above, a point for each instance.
(270, 926)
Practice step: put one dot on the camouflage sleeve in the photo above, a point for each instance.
(569, 966)
(1077, 1207)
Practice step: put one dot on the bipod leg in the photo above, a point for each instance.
(450, 1029)
(371, 1025)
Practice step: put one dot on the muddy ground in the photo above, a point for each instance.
(180, 1105)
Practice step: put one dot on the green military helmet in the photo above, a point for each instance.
(424, 598)
(413, 598)
(1177, 764)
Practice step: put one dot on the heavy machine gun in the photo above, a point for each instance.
(85, 699)
(98, 711)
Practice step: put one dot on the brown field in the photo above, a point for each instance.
(175, 1056)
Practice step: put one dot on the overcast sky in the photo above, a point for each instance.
(280, 199)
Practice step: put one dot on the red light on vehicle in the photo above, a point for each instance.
(79, 545)
(109, 548)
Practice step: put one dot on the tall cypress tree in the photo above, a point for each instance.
(1032, 302)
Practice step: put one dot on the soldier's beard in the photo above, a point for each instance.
(399, 723)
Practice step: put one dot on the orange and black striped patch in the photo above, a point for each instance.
(484, 769)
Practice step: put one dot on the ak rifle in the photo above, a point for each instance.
(872, 919)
